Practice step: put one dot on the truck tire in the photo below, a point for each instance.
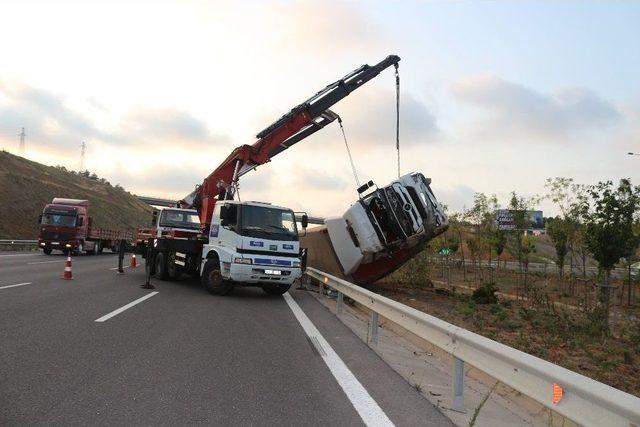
(78, 250)
(161, 267)
(275, 288)
(98, 247)
(212, 279)
(173, 270)
(47, 251)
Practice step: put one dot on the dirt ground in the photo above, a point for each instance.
(563, 336)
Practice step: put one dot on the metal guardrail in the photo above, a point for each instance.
(585, 401)
(17, 242)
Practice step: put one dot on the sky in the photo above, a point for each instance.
(496, 96)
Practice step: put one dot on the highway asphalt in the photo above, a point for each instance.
(181, 356)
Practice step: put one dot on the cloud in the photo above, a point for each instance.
(50, 122)
(320, 180)
(338, 28)
(512, 111)
(44, 115)
(456, 198)
(160, 126)
(369, 117)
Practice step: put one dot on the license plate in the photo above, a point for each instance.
(55, 243)
(274, 272)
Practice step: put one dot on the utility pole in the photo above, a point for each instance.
(82, 150)
(22, 135)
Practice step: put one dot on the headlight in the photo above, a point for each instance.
(42, 244)
(68, 245)
(242, 261)
(295, 264)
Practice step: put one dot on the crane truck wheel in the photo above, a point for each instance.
(275, 288)
(47, 251)
(212, 279)
(161, 267)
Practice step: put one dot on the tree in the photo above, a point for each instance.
(499, 242)
(482, 218)
(610, 223)
(570, 198)
(558, 230)
(456, 225)
(519, 207)
(609, 233)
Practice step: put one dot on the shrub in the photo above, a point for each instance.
(486, 294)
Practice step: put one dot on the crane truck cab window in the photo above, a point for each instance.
(268, 223)
(179, 219)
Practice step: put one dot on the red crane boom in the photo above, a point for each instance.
(302, 121)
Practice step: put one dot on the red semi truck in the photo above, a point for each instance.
(65, 225)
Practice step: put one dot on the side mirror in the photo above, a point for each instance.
(154, 218)
(304, 221)
(80, 221)
(40, 219)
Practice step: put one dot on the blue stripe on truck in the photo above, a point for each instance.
(266, 261)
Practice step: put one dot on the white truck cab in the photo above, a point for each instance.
(253, 243)
(404, 213)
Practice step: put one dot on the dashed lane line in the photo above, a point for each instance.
(125, 307)
(115, 268)
(45, 262)
(16, 285)
(2, 256)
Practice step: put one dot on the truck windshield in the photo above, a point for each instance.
(179, 219)
(61, 220)
(267, 223)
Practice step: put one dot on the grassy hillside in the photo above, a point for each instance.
(26, 186)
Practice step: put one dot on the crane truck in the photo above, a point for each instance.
(257, 244)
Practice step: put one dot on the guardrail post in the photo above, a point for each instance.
(458, 385)
(374, 327)
(339, 304)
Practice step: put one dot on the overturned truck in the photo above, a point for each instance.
(381, 231)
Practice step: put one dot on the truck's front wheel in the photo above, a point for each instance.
(47, 251)
(275, 288)
(212, 279)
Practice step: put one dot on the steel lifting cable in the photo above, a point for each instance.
(353, 167)
(398, 115)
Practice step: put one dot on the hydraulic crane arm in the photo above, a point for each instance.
(302, 121)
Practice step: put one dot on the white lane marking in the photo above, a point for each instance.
(125, 307)
(21, 255)
(45, 262)
(13, 286)
(115, 268)
(367, 408)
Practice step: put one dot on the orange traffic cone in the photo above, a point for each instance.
(68, 275)
(134, 262)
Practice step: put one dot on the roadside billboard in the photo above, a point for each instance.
(506, 220)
